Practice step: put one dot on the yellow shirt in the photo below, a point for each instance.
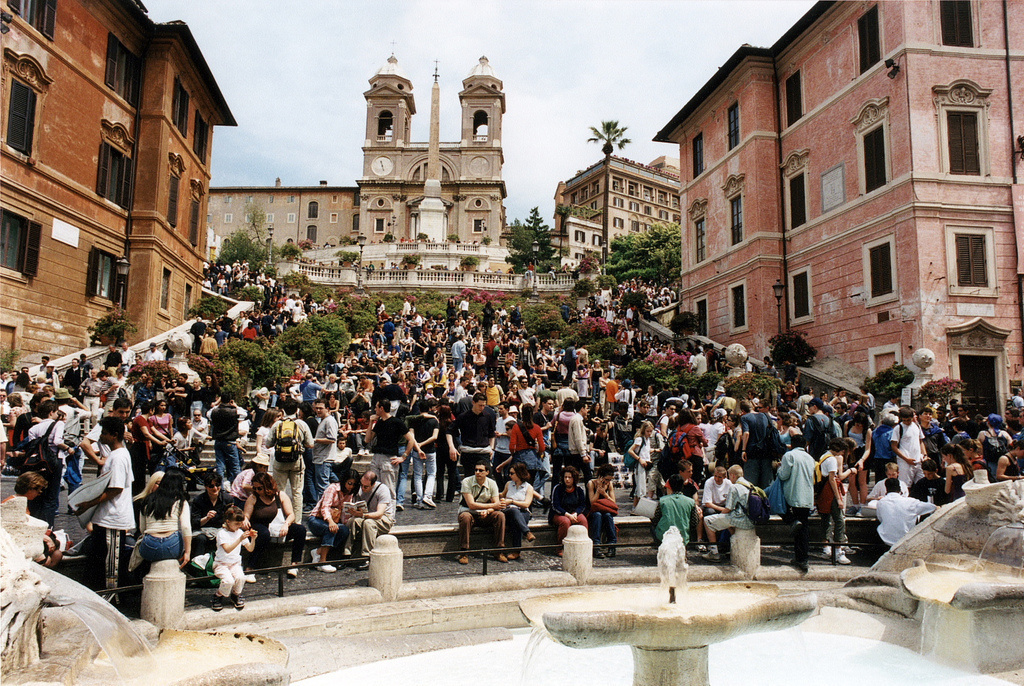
(493, 395)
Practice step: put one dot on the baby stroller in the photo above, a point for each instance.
(190, 460)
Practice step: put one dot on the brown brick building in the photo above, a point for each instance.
(106, 141)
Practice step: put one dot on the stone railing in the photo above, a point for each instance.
(430, 278)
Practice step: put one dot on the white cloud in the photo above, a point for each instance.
(294, 73)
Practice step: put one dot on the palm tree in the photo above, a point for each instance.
(611, 136)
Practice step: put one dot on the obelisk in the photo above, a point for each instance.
(431, 208)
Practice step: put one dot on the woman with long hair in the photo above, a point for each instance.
(526, 445)
(517, 497)
(165, 520)
(261, 511)
(569, 503)
(329, 520)
(447, 455)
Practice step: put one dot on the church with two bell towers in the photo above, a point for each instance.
(433, 190)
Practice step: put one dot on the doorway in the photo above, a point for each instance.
(979, 373)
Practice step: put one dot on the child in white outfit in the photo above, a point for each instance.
(227, 562)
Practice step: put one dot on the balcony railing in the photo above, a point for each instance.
(432, 278)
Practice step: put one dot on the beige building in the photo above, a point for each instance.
(641, 195)
(394, 168)
(322, 214)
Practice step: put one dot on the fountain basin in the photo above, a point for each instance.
(972, 611)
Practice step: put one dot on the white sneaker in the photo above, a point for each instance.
(327, 569)
(250, 578)
(843, 560)
(293, 573)
(429, 503)
(827, 551)
(315, 555)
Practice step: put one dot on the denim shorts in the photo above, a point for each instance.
(154, 549)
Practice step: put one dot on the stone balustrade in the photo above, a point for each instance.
(431, 279)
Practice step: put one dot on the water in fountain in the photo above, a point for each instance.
(127, 650)
(672, 567)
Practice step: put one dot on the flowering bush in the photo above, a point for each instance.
(943, 389)
(589, 264)
(791, 346)
(112, 326)
(752, 384)
(306, 244)
(597, 325)
(156, 370)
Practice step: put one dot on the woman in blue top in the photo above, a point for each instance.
(569, 503)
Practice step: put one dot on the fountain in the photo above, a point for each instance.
(668, 632)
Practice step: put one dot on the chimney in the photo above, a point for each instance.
(323, 183)
(277, 182)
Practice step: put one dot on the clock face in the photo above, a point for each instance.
(382, 166)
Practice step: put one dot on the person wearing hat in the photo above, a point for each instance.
(154, 355)
(241, 487)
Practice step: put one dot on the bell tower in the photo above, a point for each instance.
(389, 108)
(483, 104)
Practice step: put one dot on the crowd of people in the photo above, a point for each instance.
(468, 407)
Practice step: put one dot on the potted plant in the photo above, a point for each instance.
(306, 244)
(469, 262)
(453, 238)
(943, 390)
(112, 327)
(422, 237)
(410, 261)
(486, 240)
(290, 252)
(583, 288)
(389, 238)
(791, 346)
(347, 257)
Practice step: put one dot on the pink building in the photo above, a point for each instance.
(869, 160)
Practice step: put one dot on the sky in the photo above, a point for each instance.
(294, 73)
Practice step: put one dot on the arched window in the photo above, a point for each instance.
(480, 128)
(311, 232)
(385, 126)
(314, 210)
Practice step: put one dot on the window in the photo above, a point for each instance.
(479, 225)
(618, 223)
(595, 239)
(634, 226)
(962, 132)
(574, 199)
(201, 137)
(291, 198)
(698, 155)
(700, 240)
(101, 276)
(114, 176)
(188, 301)
(21, 117)
(738, 305)
(355, 223)
(801, 293)
(165, 289)
(19, 243)
(311, 233)
(955, 18)
(593, 205)
(736, 212)
(874, 159)
(228, 218)
(385, 126)
(179, 107)
(313, 211)
(123, 70)
(270, 217)
(41, 14)
(648, 194)
(172, 200)
(334, 217)
(595, 187)
(378, 225)
(580, 236)
(879, 270)
(971, 267)
(193, 224)
(480, 126)
(797, 201)
(634, 206)
(618, 202)
(334, 198)
(270, 200)
(227, 200)
(970, 254)
(648, 210)
(702, 316)
(662, 198)
(291, 218)
(616, 184)
(794, 101)
(870, 45)
(663, 214)
(734, 125)
(631, 189)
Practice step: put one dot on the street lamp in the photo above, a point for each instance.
(779, 289)
(121, 266)
(270, 243)
(361, 239)
(536, 270)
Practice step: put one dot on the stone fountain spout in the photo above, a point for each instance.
(672, 567)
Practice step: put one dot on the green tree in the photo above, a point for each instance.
(610, 135)
(319, 339)
(259, 363)
(249, 243)
(654, 254)
(520, 243)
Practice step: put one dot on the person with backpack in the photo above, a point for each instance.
(817, 428)
(733, 516)
(995, 442)
(796, 472)
(829, 477)
(755, 450)
(42, 448)
(290, 437)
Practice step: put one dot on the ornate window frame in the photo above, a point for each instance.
(962, 95)
(698, 212)
(796, 163)
(873, 114)
(952, 279)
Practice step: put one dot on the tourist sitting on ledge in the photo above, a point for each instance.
(675, 509)
(734, 515)
(481, 504)
(898, 514)
(569, 502)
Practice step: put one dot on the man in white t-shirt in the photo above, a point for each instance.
(114, 516)
(898, 514)
(908, 443)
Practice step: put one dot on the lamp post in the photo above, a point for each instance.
(121, 266)
(536, 270)
(779, 289)
(270, 244)
(359, 272)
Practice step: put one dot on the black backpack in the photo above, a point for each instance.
(38, 456)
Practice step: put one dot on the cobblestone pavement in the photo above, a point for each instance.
(347, 576)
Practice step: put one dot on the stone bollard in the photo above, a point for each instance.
(746, 551)
(386, 567)
(163, 595)
(578, 554)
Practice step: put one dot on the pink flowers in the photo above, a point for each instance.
(597, 325)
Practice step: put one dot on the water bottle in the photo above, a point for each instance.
(316, 610)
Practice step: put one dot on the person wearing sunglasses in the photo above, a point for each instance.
(207, 510)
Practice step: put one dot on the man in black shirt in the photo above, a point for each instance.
(932, 488)
(224, 428)
(388, 431)
(477, 431)
(757, 458)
